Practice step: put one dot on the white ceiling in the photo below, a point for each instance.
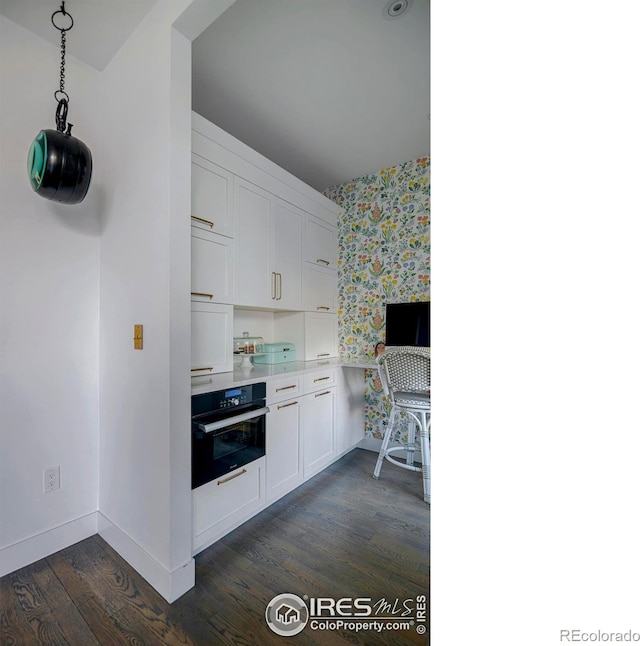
(330, 90)
(100, 27)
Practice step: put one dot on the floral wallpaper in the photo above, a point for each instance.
(384, 250)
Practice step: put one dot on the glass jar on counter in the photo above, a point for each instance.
(246, 344)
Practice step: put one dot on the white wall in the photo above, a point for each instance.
(49, 305)
(145, 434)
(76, 279)
(136, 460)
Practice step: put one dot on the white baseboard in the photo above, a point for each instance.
(171, 584)
(27, 551)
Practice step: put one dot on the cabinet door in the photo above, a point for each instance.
(286, 255)
(211, 196)
(320, 243)
(222, 504)
(211, 338)
(318, 426)
(320, 289)
(254, 285)
(283, 449)
(320, 336)
(211, 267)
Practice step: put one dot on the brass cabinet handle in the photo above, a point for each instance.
(276, 286)
(326, 392)
(321, 379)
(207, 222)
(326, 262)
(323, 307)
(209, 296)
(287, 405)
(286, 388)
(235, 475)
(324, 354)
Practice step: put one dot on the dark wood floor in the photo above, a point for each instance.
(342, 534)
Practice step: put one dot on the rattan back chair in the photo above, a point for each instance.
(405, 372)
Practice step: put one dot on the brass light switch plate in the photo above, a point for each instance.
(137, 336)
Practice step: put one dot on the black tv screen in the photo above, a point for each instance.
(408, 324)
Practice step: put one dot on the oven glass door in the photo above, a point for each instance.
(230, 445)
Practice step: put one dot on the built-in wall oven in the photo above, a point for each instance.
(227, 431)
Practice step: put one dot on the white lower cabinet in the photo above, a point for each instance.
(225, 503)
(284, 449)
(211, 338)
(304, 435)
(318, 430)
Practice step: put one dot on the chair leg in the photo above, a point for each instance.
(385, 444)
(425, 427)
(411, 441)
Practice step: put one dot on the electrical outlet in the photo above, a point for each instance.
(51, 479)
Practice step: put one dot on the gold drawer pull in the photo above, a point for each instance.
(235, 475)
(198, 369)
(286, 405)
(321, 379)
(207, 222)
(286, 388)
(209, 296)
(326, 262)
(324, 354)
(323, 307)
(326, 392)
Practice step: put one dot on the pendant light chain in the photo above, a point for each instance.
(63, 48)
(60, 95)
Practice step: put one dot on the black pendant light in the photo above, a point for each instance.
(60, 165)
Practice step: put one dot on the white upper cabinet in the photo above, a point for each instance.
(320, 336)
(268, 260)
(211, 338)
(320, 289)
(286, 256)
(254, 282)
(320, 243)
(211, 267)
(211, 196)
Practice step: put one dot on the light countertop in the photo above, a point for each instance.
(263, 372)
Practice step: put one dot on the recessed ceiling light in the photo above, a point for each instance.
(396, 8)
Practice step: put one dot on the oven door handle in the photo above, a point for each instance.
(229, 421)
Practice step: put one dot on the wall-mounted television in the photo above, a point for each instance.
(408, 324)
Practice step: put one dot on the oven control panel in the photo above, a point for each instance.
(228, 398)
(234, 397)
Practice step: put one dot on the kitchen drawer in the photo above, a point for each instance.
(224, 503)
(280, 389)
(317, 380)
